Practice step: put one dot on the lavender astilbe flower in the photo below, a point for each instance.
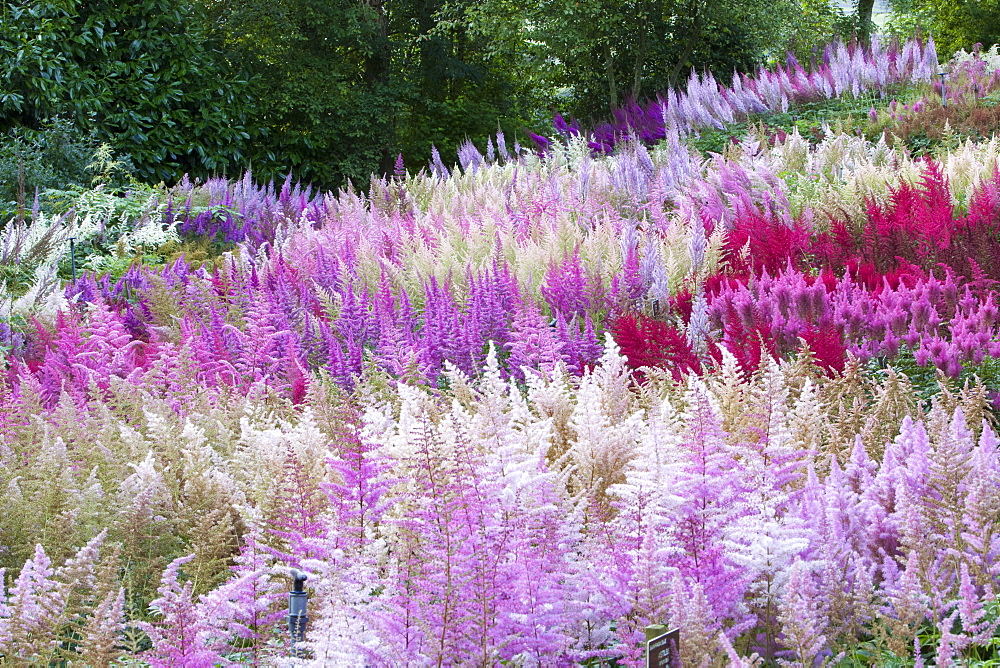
(502, 146)
(714, 501)
(437, 166)
(32, 609)
(469, 157)
(706, 104)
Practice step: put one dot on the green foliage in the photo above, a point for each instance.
(955, 24)
(928, 382)
(36, 160)
(342, 86)
(142, 76)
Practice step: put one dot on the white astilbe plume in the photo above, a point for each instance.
(143, 493)
(338, 634)
(604, 443)
(691, 613)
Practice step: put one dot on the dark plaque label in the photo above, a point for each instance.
(664, 651)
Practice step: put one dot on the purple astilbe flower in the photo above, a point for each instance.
(440, 562)
(581, 350)
(538, 524)
(502, 146)
(949, 643)
(440, 331)
(735, 660)
(493, 300)
(259, 345)
(399, 350)
(181, 636)
(542, 144)
(102, 632)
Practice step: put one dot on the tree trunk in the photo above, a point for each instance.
(865, 8)
(692, 40)
(609, 65)
(377, 72)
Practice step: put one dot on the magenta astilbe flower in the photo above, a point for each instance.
(569, 290)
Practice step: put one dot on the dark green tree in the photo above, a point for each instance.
(324, 92)
(141, 75)
(342, 86)
(603, 52)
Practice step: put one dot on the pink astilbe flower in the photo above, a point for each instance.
(246, 612)
(802, 616)
(30, 616)
(182, 635)
(533, 344)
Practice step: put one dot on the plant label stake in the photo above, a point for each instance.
(297, 618)
(72, 256)
(663, 650)
(944, 99)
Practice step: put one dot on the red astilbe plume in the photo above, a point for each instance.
(977, 246)
(771, 244)
(827, 347)
(651, 343)
(915, 226)
(750, 346)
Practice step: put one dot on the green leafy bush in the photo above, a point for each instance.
(142, 76)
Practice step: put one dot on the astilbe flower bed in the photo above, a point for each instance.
(514, 412)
